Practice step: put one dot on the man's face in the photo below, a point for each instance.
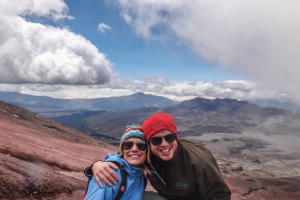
(165, 150)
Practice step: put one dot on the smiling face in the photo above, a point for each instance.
(165, 150)
(134, 156)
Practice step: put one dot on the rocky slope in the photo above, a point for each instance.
(256, 167)
(41, 159)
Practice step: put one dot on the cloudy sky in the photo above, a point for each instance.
(175, 48)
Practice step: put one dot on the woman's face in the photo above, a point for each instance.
(134, 156)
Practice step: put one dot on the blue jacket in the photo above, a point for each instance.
(135, 183)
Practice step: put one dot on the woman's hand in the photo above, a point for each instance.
(102, 171)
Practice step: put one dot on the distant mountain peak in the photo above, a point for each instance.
(139, 94)
(210, 104)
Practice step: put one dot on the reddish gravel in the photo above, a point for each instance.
(41, 158)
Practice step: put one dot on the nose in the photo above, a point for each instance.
(134, 147)
(164, 142)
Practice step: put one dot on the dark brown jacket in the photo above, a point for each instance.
(192, 173)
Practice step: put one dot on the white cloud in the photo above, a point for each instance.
(160, 86)
(38, 53)
(258, 38)
(52, 9)
(228, 32)
(102, 28)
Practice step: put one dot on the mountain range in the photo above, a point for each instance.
(51, 107)
(193, 118)
(104, 117)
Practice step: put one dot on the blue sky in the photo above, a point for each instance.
(133, 56)
(179, 49)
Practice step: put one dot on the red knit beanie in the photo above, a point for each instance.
(158, 122)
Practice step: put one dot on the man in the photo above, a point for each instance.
(180, 169)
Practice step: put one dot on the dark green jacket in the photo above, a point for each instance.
(192, 173)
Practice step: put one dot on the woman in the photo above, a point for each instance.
(131, 157)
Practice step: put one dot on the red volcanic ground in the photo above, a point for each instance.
(41, 159)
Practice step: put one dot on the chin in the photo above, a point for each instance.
(166, 158)
(136, 164)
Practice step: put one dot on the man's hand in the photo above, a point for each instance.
(102, 171)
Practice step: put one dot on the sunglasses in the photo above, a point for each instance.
(168, 138)
(140, 145)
